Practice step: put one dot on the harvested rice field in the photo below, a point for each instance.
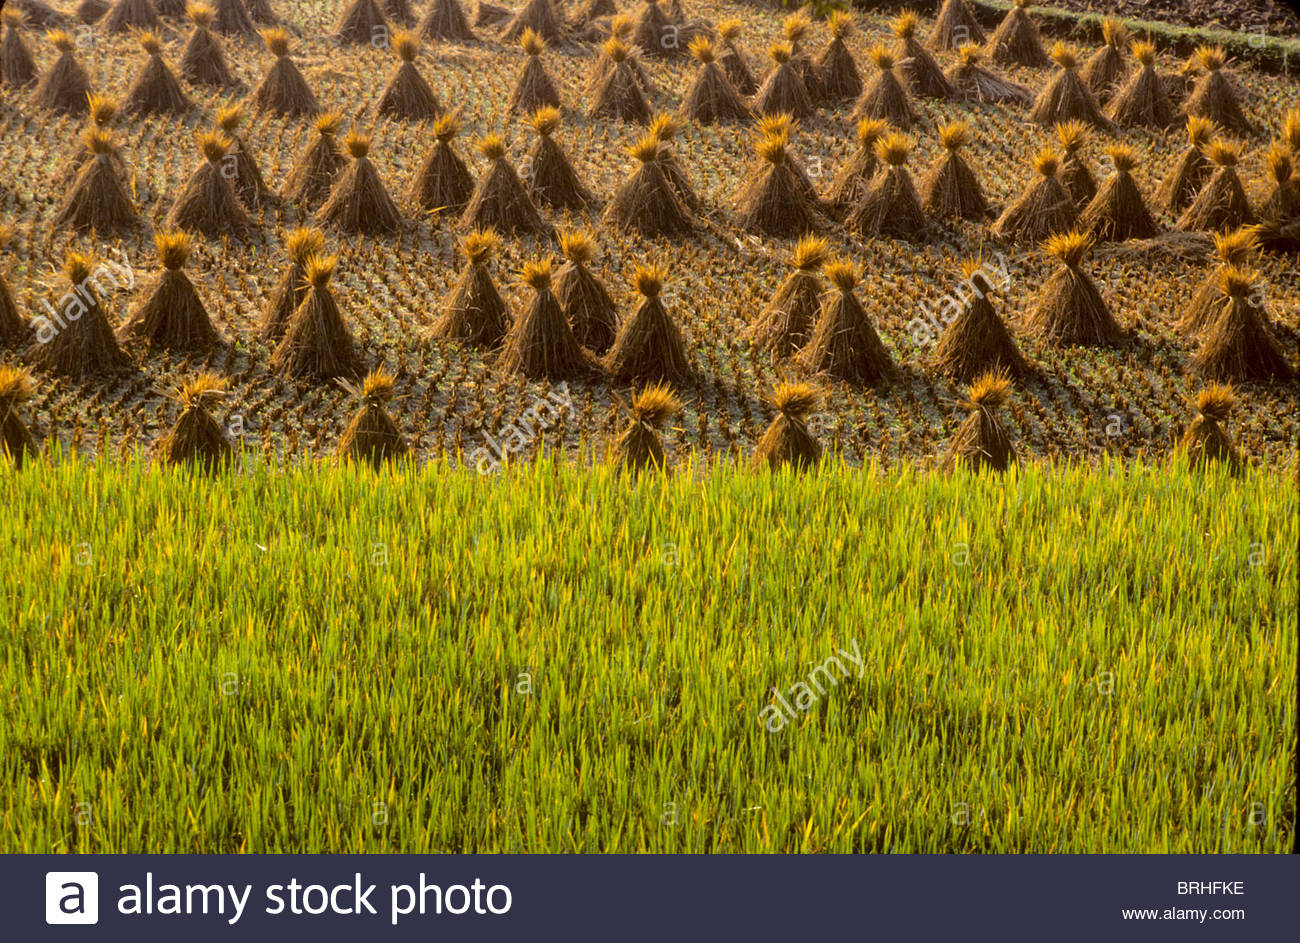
(1127, 400)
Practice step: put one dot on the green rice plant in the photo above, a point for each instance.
(562, 658)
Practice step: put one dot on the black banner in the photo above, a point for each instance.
(478, 897)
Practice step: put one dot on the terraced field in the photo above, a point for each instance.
(1082, 402)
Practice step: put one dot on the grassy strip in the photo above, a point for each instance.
(558, 659)
(1271, 54)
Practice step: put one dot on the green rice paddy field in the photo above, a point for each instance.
(558, 658)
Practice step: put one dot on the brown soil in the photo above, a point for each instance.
(1244, 16)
